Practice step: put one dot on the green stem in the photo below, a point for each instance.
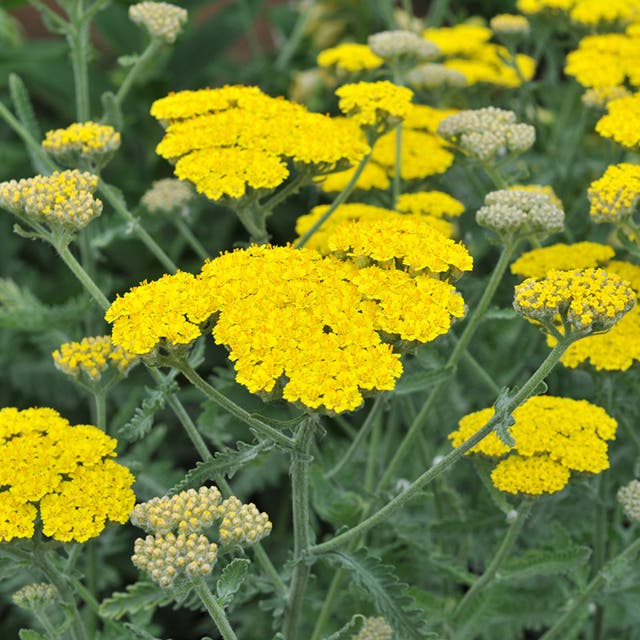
(327, 605)
(221, 400)
(147, 55)
(458, 351)
(497, 561)
(213, 607)
(192, 241)
(428, 476)
(342, 196)
(267, 566)
(79, 44)
(291, 45)
(361, 435)
(47, 625)
(116, 200)
(480, 373)
(373, 455)
(292, 187)
(100, 409)
(437, 13)
(254, 222)
(91, 576)
(566, 622)
(600, 549)
(300, 463)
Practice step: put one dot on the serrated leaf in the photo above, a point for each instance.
(413, 382)
(224, 463)
(389, 596)
(229, 583)
(143, 417)
(138, 596)
(541, 562)
(30, 634)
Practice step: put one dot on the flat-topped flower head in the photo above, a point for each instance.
(622, 121)
(36, 597)
(553, 437)
(375, 106)
(509, 24)
(374, 629)
(629, 497)
(402, 44)
(91, 358)
(350, 57)
(587, 300)
(430, 203)
(163, 21)
(242, 523)
(615, 195)
(64, 472)
(600, 97)
(560, 256)
(487, 134)
(169, 557)
(82, 144)
(511, 212)
(432, 74)
(63, 200)
(460, 39)
(168, 196)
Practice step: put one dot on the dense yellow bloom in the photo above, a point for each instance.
(538, 6)
(425, 118)
(614, 196)
(236, 139)
(373, 177)
(600, 97)
(350, 56)
(462, 39)
(375, 105)
(538, 262)
(92, 357)
(165, 313)
(161, 19)
(553, 436)
(594, 12)
(589, 299)
(404, 241)
(63, 199)
(431, 203)
(622, 121)
(67, 470)
(626, 271)
(82, 140)
(494, 64)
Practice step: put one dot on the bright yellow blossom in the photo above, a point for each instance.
(462, 39)
(614, 196)
(350, 56)
(82, 141)
(622, 121)
(538, 262)
(431, 203)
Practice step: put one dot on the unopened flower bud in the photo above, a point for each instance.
(36, 597)
(629, 498)
(167, 195)
(161, 19)
(401, 43)
(82, 144)
(509, 24)
(431, 75)
(375, 629)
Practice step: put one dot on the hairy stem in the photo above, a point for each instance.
(213, 607)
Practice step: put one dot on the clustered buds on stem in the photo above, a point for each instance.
(168, 195)
(36, 597)
(402, 44)
(629, 498)
(82, 144)
(162, 20)
(375, 629)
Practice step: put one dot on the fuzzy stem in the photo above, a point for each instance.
(79, 44)
(147, 55)
(300, 463)
(458, 351)
(327, 605)
(600, 549)
(498, 559)
(428, 476)
(213, 607)
(100, 410)
(342, 196)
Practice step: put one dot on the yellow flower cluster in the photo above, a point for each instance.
(430, 203)
(374, 176)
(622, 120)
(374, 629)
(560, 256)
(614, 196)
(400, 241)
(63, 199)
(553, 436)
(82, 140)
(242, 523)
(162, 20)
(605, 60)
(619, 348)
(590, 299)
(65, 470)
(91, 357)
(167, 195)
(466, 50)
(375, 106)
(232, 140)
(350, 57)
(600, 97)
(167, 557)
(587, 12)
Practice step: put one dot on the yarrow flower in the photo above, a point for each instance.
(586, 12)
(600, 97)
(615, 195)
(162, 20)
(167, 195)
(82, 143)
(587, 300)
(350, 57)
(488, 133)
(91, 357)
(511, 212)
(553, 437)
(629, 497)
(63, 472)
(374, 629)
(509, 24)
(621, 121)
(560, 256)
(63, 200)
(430, 203)
(36, 597)
(399, 43)
(431, 75)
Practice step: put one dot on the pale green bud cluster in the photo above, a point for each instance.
(511, 211)
(400, 43)
(242, 523)
(65, 198)
(629, 498)
(166, 557)
(161, 19)
(509, 24)
(432, 74)
(167, 195)
(36, 596)
(375, 629)
(488, 133)
(188, 511)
